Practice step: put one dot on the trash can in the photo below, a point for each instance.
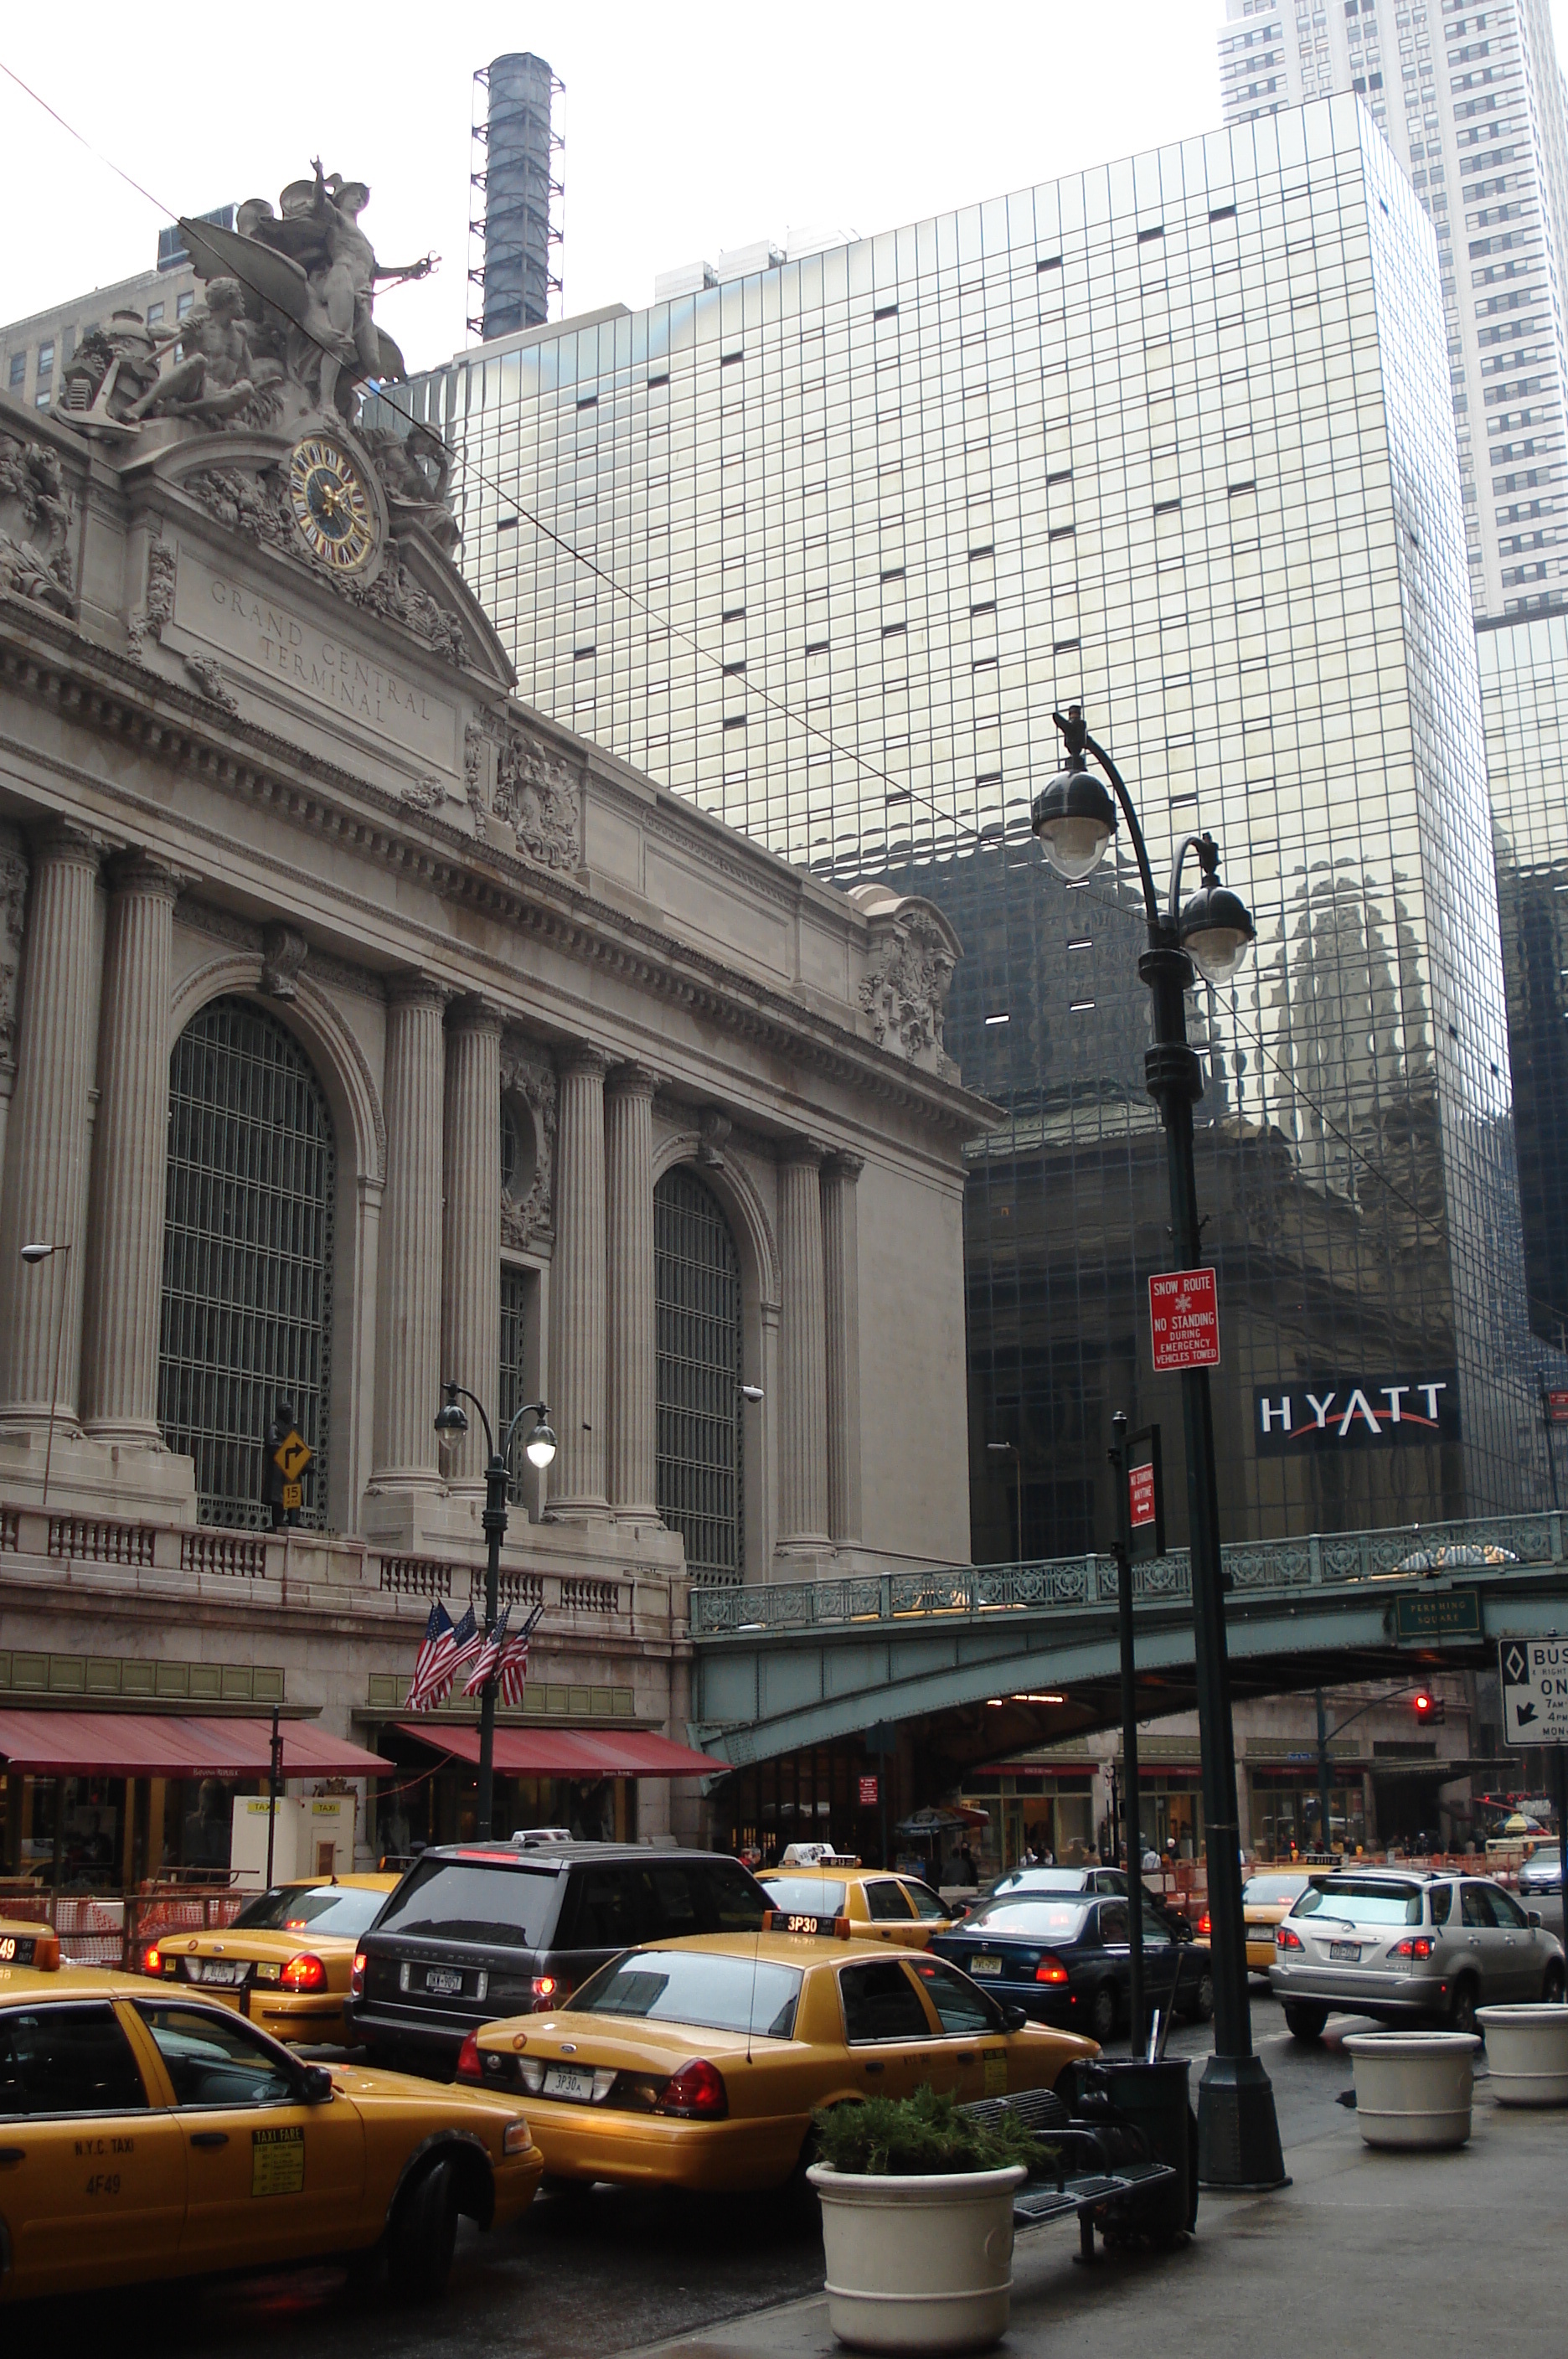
(1154, 2098)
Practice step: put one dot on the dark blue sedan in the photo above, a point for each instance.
(1063, 1958)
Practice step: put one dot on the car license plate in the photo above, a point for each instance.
(983, 1966)
(445, 1979)
(567, 2081)
(223, 1971)
(1350, 1950)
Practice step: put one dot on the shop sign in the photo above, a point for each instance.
(1355, 1413)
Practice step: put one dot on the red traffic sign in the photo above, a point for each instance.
(868, 1792)
(1184, 1321)
(1557, 1409)
(1141, 1505)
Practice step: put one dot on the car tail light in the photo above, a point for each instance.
(469, 2067)
(1414, 1945)
(696, 2093)
(357, 1975)
(1051, 1969)
(1205, 1926)
(305, 1972)
(550, 1990)
(1285, 1940)
(152, 1959)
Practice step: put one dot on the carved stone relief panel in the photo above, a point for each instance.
(527, 1192)
(13, 924)
(35, 517)
(905, 995)
(537, 796)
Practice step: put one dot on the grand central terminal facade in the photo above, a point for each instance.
(361, 1030)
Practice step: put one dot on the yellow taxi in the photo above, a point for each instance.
(1265, 1900)
(146, 2133)
(698, 2063)
(286, 1960)
(880, 1906)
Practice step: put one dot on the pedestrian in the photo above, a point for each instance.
(968, 1869)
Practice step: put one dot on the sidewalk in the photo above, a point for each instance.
(1361, 2246)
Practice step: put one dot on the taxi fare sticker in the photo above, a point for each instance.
(996, 2072)
(278, 2161)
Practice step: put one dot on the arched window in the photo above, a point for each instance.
(697, 1292)
(247, 1256)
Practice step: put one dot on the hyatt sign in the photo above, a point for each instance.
(1357, 1413)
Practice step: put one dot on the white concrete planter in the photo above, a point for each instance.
(918, 2263)
(1413, 2088)
(1527, 2047)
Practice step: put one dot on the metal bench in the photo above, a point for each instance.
(1106, 2173)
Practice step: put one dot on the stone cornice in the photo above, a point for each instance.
(44, 659)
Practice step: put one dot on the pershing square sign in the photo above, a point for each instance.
(1356, 1413)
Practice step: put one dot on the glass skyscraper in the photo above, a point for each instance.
(821, 549)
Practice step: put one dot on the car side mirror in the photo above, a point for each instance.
(1534, 1916)
(315, 2085)
(1013, 2017)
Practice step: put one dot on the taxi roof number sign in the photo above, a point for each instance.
(1533, 1673)
(1184, 1321)
(292, 1455)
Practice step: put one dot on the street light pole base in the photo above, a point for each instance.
(1238, 2137)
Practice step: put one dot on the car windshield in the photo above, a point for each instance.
(1545, 1855)
(690, 1986)
(1044, 1879)
(1259, 1891)
(346, 1909)
(1363, 1904)
(454, 1901)
(805, 1895)
(1053, 1921)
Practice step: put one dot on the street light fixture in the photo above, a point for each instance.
(32, 1255)
(1076, 818)
(540, 1449)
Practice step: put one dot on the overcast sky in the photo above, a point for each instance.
(689, 127)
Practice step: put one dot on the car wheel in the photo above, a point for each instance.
(1551, 1984)
(1103, 2013)
(1461, 2004)
(1304, 2022)
(1199, 2007)
(424, 2232)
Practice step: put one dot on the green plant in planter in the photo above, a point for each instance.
(925, 2134)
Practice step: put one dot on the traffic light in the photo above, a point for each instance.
(1426, 1706)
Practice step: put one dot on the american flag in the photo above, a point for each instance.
(512, 1675)
(488, 1655)
(445, 1647)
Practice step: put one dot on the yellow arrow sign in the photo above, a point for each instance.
(292, 1455)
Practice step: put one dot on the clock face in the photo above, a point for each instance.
(331, 507)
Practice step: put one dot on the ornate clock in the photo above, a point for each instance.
(333, 508)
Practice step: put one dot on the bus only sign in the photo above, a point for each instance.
(1184, 1321)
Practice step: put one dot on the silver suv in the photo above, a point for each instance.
(1395, 1945)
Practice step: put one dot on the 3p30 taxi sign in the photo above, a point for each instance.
(1533, 1673)
(1184, 1321)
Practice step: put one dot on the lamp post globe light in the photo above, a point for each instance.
(1076, 817)
(540, 1449)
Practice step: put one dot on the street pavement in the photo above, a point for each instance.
(1358, 2245)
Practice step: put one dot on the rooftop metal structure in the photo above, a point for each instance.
(514, 169)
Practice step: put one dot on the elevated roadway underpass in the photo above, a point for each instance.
(790, 1664)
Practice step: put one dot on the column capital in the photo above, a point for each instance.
(583, 1058)
(840, 1164)
(474, 1013)
(633, 1081)
(149, 873)
(416, 991)
(800, 1150)
(68, 840)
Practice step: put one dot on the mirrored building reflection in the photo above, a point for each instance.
(822, 547)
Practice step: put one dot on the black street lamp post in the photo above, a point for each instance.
(540, 1447)
(1076, 818)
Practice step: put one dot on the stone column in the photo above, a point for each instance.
(13, 933)
(841, 1274)
(630, 1378)
(472, 1327)
(408, 1326)
(130, 1151)
(802, 1354)
(577, 1290)
(47, 1143)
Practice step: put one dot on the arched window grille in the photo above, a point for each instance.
(247, 1256)
(697, 1293)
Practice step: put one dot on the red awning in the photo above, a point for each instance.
(572, 1752)
(167, 1744)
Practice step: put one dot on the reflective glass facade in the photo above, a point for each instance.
(1175, 437)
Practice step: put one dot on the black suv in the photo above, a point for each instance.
(475, 1931)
